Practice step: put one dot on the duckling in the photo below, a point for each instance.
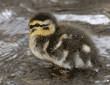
(66, 46)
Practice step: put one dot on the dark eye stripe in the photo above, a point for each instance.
(37, 25)
(31, 26)
(44, 25)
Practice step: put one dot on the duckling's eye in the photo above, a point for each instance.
(37, 25)
(46, 28)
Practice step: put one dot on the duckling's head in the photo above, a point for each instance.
(43, 23)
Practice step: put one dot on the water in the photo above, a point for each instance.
(18, 66)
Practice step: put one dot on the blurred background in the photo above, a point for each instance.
(18, 66)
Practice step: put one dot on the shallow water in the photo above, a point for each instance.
(18, 66)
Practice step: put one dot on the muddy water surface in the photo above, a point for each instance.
(18, 66)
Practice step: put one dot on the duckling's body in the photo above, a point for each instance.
(63, 45)
(82, 52)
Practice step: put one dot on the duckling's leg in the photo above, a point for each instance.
(64, 75)
(58, 73)
(50, 64)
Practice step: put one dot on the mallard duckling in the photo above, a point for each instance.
(65, 46)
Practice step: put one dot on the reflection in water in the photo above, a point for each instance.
(92, 19)
(54, 1)
(102, 43)
(6, 15)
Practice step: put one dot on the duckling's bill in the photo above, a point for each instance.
(24, 34)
